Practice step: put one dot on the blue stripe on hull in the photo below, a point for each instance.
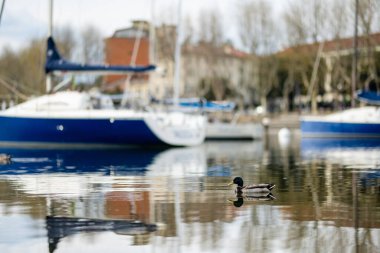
(88, 131)
(338, 129)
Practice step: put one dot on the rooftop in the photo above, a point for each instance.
(334, 45)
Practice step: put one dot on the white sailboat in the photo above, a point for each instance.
(226, 124)
(234, 131)
(71, 117)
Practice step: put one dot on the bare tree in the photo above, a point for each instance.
(65, 39)
(306, 22)
(24, 69)
(256, 27)
(92, 45)
(165, 42)
(211, 27)
(337, 67)
(296, 28)
(317, 21)
(258, 35)
(188, 31)
(211, 39)
(368, 10)
(166, 34)
(337, 17)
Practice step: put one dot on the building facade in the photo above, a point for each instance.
(204, 68)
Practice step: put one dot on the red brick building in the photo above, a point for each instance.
(120, 50)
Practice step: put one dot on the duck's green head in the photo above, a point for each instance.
(238, 181)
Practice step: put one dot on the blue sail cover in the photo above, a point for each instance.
(369, 97)
(55, 63)
(210, 106)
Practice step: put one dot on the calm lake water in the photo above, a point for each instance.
(327, 198)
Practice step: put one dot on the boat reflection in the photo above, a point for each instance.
(78, 161)
(198, 160)
(362, 156)
(323, 144)
(363, 153)
(72, 172)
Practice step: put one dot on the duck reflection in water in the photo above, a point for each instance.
(240, 198)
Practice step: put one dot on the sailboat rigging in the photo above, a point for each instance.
(2, 10)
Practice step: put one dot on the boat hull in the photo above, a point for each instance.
(76, 131)
(70, 118)
(231, 131)
(311, 128)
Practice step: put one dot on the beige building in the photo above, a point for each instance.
(207, 69)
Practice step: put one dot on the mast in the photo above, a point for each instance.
(152, 34)
(152, 40)
(2, 10)
(50, 33)
(177, 57)
(354, 78)
(136, 48)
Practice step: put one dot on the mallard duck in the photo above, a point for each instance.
(253, 188)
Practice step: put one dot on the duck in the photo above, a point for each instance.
(253, 188)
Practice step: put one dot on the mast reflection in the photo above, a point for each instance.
(60, 227)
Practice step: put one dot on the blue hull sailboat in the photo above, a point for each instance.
(71, 117)
(354, 123)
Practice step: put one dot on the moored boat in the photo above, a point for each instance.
(352, 123)
(234, 131)
(69, 117)
(223, 122)
(73, 117)
(355, 122)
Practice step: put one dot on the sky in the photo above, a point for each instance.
(26, 19)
